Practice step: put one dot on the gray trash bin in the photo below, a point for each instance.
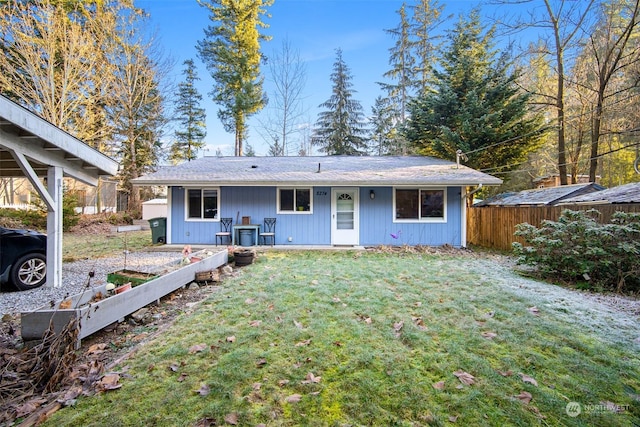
(246, 238)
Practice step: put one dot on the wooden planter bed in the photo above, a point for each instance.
(94, 315)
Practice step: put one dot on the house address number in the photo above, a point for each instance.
(321, 193)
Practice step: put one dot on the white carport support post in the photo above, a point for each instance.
(54, 228)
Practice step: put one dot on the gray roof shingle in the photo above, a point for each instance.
(541, 196)
(320, 170)
(628, 193)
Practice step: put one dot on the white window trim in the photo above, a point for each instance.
(186, 205)
(441, 220)
(294, 212)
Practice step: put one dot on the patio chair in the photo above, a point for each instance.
(225, 230)
(269, 231)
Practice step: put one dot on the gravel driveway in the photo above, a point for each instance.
(75, 277)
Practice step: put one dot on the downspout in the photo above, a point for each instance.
(463, 237)
(473, 191)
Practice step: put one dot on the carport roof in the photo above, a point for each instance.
(44, 145)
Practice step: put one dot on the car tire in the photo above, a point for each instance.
(29, 272)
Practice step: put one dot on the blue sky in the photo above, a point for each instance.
(315, 28)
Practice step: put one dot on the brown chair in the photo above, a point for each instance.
(269, 231)
(225, 230)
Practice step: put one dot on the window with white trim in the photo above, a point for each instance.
(202, 204)
(294, 200)
(420, 204)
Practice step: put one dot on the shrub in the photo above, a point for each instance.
(24, 218)
(578, 249)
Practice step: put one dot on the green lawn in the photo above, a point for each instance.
(365, 338)
(83, 246)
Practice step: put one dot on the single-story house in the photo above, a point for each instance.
(329, 200)
(550, 196)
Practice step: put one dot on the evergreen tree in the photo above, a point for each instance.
(384, 136)
(340, 130)
(231, 51)
(425, 18)
(476, 107)
(402, 64)
(191, 117)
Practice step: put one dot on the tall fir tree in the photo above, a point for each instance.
(189, 137)
(426, 16)
(341, 128)
(402, 64)
(383, 130)
(231, 52)
(477, 106)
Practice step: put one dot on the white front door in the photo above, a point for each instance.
(344, 216)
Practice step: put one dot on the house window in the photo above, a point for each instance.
(202, 203)
(291, 200)
(420, 204)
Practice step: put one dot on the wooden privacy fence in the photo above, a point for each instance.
(493, 226)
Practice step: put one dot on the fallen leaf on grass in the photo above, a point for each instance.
(206, 422)
(294, 398)
(303, 343)
(283, 383)
(256, 386)
(182, 377)
(528, 379)
(231, 418)
(465, 377)
(310, 379)
(232, 338)
(204, 390)
(453, 419)
(506, 373)
(524, 397)
(298, 324)
(489, 335)
(534, 310)
(109, 382)
(197, 348)
(260, 363)
(397, 327)
(249, 301)
(255, 323)
(439, 385)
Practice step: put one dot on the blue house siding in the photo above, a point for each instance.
(377, 224)
(376, 218)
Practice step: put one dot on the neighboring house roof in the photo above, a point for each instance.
(542, 196)
(320, 170)
(628, 193)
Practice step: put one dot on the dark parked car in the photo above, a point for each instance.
(22, 258)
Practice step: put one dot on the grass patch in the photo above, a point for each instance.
(347, 338)
(77, 246)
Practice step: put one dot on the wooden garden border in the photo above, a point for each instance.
(93, 316)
